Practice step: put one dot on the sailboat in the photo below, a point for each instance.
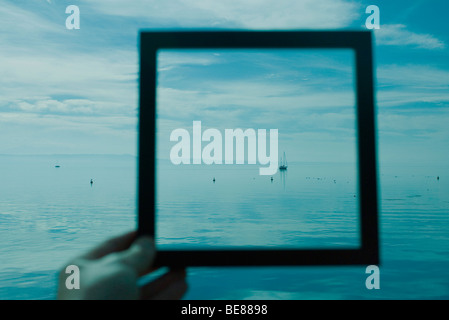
(283, 163)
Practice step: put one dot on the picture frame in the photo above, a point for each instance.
(359, 41)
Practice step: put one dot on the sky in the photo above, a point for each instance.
(307, 95)
(76, 91)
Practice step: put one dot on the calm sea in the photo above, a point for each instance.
(48, 215)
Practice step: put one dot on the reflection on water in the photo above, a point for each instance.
(49, 215)
(283, 176)
(244, 209)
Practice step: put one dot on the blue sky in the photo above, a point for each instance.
(75, 91)
(307, 95)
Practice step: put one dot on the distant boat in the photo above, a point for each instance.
(57, 166)
(283, 163)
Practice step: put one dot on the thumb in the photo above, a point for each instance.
(140, 255)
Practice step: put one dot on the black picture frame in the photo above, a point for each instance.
(361, 43)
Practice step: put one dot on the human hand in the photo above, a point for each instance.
(111, 271)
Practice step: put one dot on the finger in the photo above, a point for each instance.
(174, 292)
(140, 255)
(149, 270)
(116, 244)
(154, 288)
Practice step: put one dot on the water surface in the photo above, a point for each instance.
(48, 215)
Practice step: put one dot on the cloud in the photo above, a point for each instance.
(401, 97)
(32, 133)
(20, 25)
(415, 75)
(399, 35)
(248, 14)
(172, 59)
(83, 85)
(46, 105)
(406, 123)
(241, 95)
(107, 78)
(403, 85)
